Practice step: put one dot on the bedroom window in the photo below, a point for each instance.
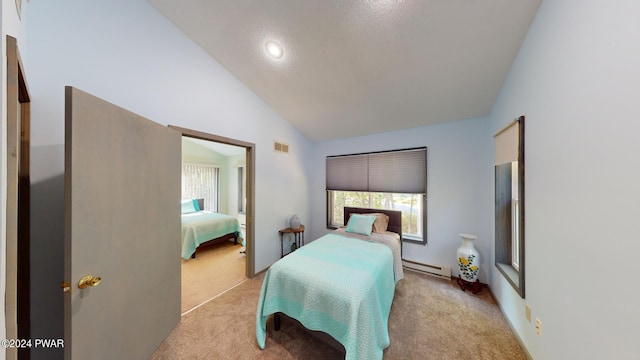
(394, 180)
(509, 204)
(201, 181)
(409, 204)
(242, 184)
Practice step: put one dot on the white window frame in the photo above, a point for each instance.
(515, 216)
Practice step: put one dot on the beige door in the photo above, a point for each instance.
(122, 225)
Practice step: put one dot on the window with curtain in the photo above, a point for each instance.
(201, 181)
(394, 180)
(509, 204)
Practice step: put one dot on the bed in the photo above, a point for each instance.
(338, 286)
(202, 228)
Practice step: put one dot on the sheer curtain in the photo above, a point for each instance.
(200, 181)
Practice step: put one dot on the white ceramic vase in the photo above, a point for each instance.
(468, 258)
(294, 222)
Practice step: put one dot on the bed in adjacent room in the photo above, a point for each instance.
(341, 284)
(201, 228)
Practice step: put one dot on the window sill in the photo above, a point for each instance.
(414, 240)
(510, 274)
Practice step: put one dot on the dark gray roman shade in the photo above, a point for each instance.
(397, 171)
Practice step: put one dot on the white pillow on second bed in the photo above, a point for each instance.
(189, 206)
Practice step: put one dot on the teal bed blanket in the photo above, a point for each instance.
(335, 284)
(202, 226)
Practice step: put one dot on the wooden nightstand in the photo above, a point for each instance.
(298, 238)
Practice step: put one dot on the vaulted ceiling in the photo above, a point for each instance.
(359, 67)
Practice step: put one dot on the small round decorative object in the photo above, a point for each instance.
(294, 222)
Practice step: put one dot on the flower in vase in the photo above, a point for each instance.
(468, 272)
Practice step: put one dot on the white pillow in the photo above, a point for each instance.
(360, 224)
(187, 206)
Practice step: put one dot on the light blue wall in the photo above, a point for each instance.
(127, 53)
(576, 81)
(458, 173)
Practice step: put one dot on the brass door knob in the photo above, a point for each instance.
(89, 280)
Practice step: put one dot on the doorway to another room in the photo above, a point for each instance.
(217, 204)
(17, 310)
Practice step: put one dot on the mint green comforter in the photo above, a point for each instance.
(202, 226)
(335, 284)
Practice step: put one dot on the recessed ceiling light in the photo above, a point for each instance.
(274, 49)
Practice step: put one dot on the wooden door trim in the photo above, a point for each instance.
(250, 271)
(18, 293)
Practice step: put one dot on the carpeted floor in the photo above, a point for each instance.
(214, 270)
(430, 318)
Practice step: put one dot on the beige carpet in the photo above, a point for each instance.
(215, 269)
(430, 319)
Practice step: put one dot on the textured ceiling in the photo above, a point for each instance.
(354, 68)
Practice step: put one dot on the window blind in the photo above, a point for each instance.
(507, 143)
(201, 181)
(397, 171)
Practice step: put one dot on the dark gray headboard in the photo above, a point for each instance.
(395, 217)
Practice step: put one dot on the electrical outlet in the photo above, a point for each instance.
(527, 313)
(538, 326)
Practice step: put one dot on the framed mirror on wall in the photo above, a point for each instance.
(509, 203)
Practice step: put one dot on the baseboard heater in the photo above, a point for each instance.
(439, 271)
